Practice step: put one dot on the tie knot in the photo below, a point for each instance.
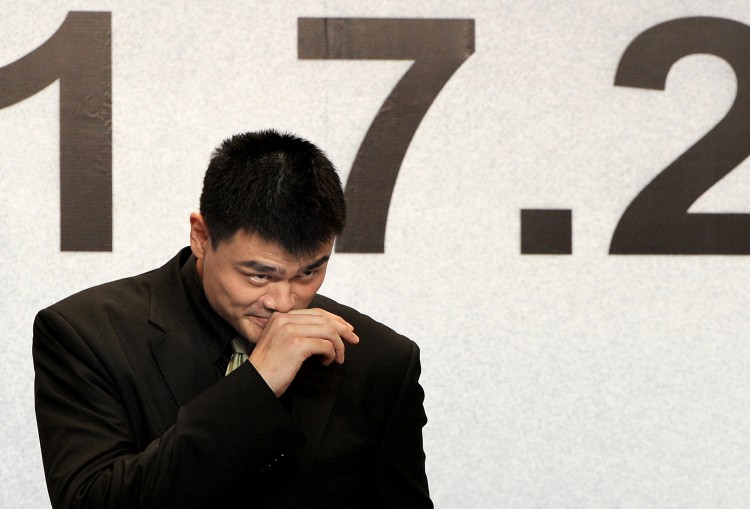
(239, 345)
(240, 348)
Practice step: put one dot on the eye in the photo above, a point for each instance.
(308, 274)
(258, 278)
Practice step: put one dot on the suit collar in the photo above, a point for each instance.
(182, 350)
(169, 302)
(217, 331)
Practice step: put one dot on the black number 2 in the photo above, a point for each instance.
(438, 48)
(657, 220)
(79, 54)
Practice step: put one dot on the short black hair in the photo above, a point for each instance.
(277, 185)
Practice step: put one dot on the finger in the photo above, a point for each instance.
(343, 328)
(325, 349)
(319, 312)
(350, 336)
(323, 332)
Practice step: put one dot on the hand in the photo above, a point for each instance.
(288, 339)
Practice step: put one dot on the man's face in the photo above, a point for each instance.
(246, 278)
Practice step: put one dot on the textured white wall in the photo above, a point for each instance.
(581, 381)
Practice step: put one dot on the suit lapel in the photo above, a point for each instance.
(186, 361)
(311, 397)
(184, 356)
(314, 392)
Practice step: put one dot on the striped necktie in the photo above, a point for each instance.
(239, 354)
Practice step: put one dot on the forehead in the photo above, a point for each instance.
(245, 247)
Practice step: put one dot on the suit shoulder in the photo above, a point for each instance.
(128, 296)
(122, 293)
(373, 334)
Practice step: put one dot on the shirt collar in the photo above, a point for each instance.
(214, 327)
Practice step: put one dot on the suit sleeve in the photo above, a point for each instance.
(401, 477)
(88, 444)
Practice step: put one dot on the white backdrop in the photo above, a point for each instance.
(586, 380)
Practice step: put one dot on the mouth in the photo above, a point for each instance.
(259, 320)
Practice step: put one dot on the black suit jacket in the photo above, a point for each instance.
(131, 412)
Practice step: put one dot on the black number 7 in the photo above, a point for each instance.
(438, 48)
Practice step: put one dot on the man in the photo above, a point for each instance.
(145, 396)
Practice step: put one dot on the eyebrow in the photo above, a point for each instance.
(267, 269)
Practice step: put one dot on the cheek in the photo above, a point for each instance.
(240, 294)
(226, 291)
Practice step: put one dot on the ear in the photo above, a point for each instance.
(199, 238)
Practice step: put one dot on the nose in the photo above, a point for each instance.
(279, 297)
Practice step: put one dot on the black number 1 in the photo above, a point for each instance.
(438, 48)
(79, 54)
(657, 221)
